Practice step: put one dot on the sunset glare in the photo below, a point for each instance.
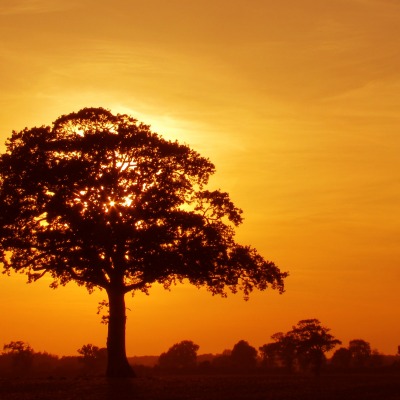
(296, 102)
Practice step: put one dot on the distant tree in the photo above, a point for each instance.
(287, 349)
(181, 356)
(376, 359)
(270, 355)
(69, 366)
(312, 342)
(222, 362)
(93, 358)
(341, 358)
(204, 362)
(88, 351)
(360, 351)
(18, 347)
(243, 356)
(21, 355)
(44, 364)
(100, 200)
(281, 352)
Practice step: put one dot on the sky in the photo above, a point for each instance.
(296, 102)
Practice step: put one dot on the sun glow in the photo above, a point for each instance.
(166, 125)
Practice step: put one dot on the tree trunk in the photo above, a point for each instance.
(117, 363)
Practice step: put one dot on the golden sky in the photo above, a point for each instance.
(297, 104)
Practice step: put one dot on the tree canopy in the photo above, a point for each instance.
(360, 351)
(243, 356)
(101, 200)
(312, 342)
(182, 355)
(21, 355)
(306, 343)
(98, 197)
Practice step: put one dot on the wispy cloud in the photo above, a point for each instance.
(15, 7)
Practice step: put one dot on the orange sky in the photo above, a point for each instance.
(297, 104)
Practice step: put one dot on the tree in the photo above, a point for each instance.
(270, 355)
(182, 355)
(312, 342)
(360, 352)
(222, 362)
(376, 359)
(243, 355)
(282, 351)
(101, 200)
(92, 357)
(341, 358)
(21, 355)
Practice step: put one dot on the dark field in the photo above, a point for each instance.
(210, 387)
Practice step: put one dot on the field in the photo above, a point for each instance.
(210, 387)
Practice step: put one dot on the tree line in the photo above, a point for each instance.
(303, 349)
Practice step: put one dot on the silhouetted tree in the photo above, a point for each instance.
(44, 364)
(222, 362)
(341, 358)
(243, 356)
(271, 355)
(376, 359)
(305, 344)
(93, 358)
(283, 350)
(312, 342)
(21, 355)
(100, 200)
(360, 352)
(18, 358)
(181, 355)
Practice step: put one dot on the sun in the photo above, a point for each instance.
(168, 126)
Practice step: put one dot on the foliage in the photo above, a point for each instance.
(312, 342)
(376, 359)
(281, 352)
(341, 358)
(18, 347)
(104, 317)
(243, 356)
(357, 355)
(222, 362)
(93, 357)
(270, 355)
(360, 352)
(21, 356)
(306, 344)
(98, 198)
(181, 355)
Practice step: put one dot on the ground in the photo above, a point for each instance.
(208, 387)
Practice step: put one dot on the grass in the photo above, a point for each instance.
(208, 387)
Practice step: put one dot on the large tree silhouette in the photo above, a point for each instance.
(100, 200)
